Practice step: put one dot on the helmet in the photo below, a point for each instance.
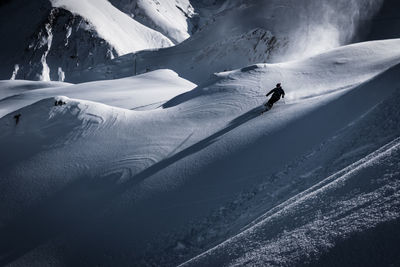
(278, 85)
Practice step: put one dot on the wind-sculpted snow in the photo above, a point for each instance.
(297, 75)
(146, 91)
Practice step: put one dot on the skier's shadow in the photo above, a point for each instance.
(242, 119)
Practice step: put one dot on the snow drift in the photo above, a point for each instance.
(146, 91)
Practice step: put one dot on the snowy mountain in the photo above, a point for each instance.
(161, 156)
(249, 32)
(67, 35)
(75, 41)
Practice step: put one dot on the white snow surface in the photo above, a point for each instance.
(350, 201)
(144, 91)
(124, 33)
(171, 18)
(102, 180)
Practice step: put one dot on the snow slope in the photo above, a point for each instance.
(122, 32)
(169, 178)
(300, 230)
(349, 218)
(148, 90)
(171, 18)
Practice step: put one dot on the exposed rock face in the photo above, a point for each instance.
(47, 43)
(66, 42)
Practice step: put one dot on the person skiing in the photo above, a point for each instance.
(277, 92)
(16, 117)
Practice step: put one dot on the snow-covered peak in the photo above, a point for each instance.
(121, 31)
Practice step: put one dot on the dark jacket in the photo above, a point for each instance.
(277, 93)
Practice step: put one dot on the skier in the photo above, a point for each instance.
(16, 117)
(277, 92)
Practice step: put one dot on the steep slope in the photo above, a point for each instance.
(309, 225)
(67, 36)
(122, 32)
(177, 20)
(158, 177)
(171, 18)
(350, 218)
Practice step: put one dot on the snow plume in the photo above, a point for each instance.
(327, 24)
(313, 26)
(302, 27)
